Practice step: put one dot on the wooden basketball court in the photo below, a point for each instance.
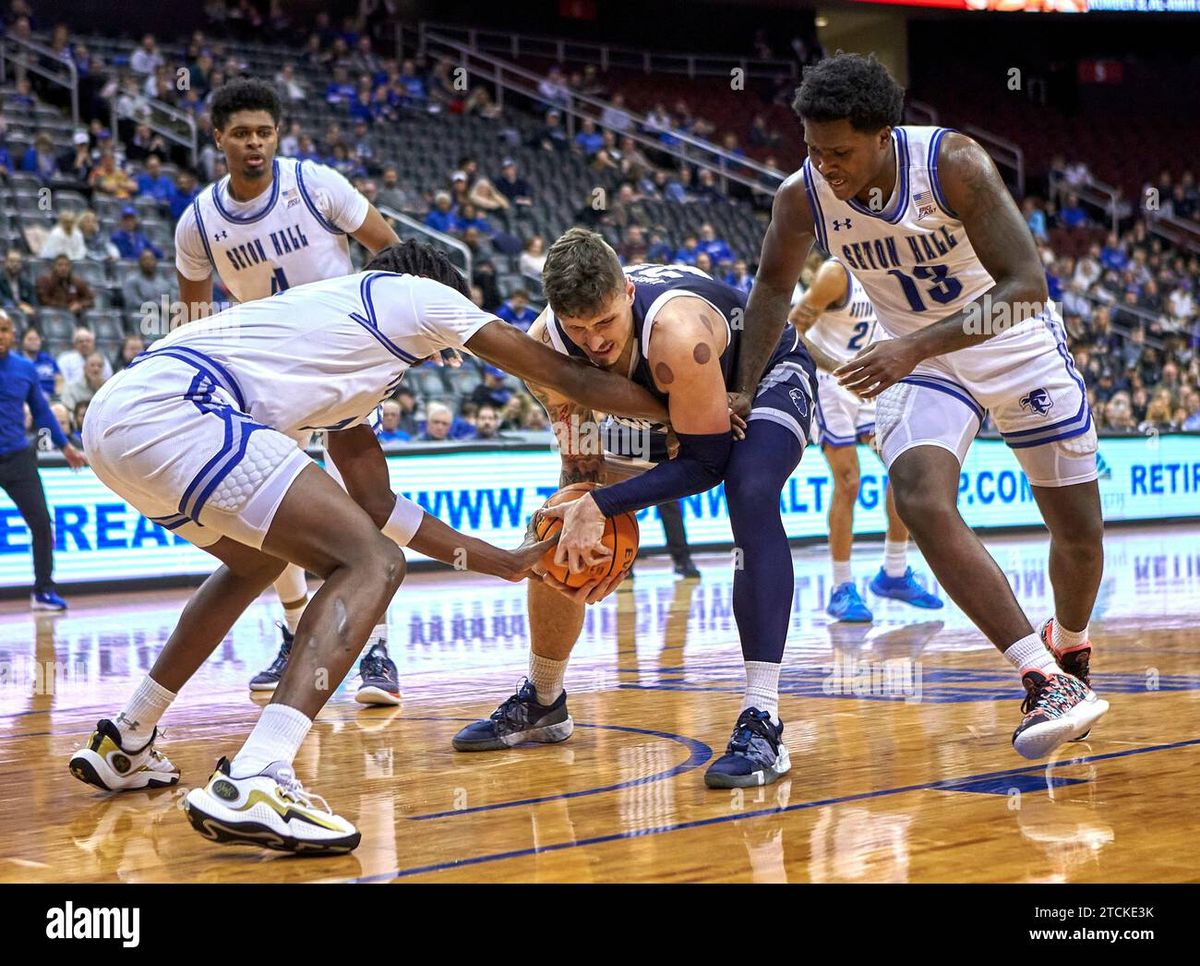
(899, 734)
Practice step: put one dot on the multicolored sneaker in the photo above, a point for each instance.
(380, 679)
(904, 588)
(1057, 708)
(268, 680)
(847, 605)
(755, 755)
(1075, 660)
(518, 719)
(104, 763)
(270, 810)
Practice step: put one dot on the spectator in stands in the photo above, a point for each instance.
(553, 89)
(72, 362)
(1071, 214)
(60, 288)
(22, 99)
(65, 238)
(479, 103)
(442, 216)
(76, 162)
(391, 195)
(679, 188)
(1159, 414)
(364, 60)
(63, 416)
(438, 419)
(614, 117)
(552, 136)
(588, 140)
(740, 278)
(130, 241)
(705, 263)
(492, 390)
(147, 58)
(84, 388)
(487, 424)
(340, 91)
(1035, 218)
(16, 290)
(184, 192)
(1191, 406)
(715, 247)
(411, 88)
(517, 311)
(342, 162)
(407, 402)
(1088, 268)
(1118, 413)
(131, 348)
(533, 258)
(690, 250)
(706, 186)
(469, 218)
(1113, 255)
(109, 179)
(49, 376)
(658, 249)
(633, 249)
(761, 136)
(480, 190)
(515, 188)
(40, 158)
(152, 183)
(291, 90)
(145, 285)
(389, 431)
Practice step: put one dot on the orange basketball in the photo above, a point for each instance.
(621, 536)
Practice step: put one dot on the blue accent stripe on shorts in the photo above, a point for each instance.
(950, 389)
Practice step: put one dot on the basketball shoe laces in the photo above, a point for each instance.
(512, 710)
(1056, 694)
(296, 792)
(747, 727)
(373, 665)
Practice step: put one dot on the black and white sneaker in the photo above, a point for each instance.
(268, 680)
(517, 720)
(380, 679)
(755, 755)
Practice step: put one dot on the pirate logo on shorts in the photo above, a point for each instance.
(1037, 402)
(800, 401)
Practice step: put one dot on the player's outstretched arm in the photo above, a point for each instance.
(360, 462)
(828, 287)
(513, 351)
(978, 196)
(785, 247)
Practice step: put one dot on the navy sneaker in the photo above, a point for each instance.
(518, 719)
(380, 679)
(268, 680)
(755, 756)
(687, 569)
(906, 589)
(846, 605)
(1057, 708)
(46, 600)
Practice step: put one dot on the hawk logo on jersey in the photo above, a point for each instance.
(800, 401)
(923, 202)
(1038, 402)
(837, 224)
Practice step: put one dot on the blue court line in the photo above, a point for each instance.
(698, 754)
(940, 785)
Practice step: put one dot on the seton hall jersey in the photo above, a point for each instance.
(842, 332)
(323, 355)
(654, 287)
(293, 235)
(913, 257)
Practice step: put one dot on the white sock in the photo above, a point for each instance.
(841, 573)
(277, 736)
(762, 688)
(292, 615)
(1029, 653)
(547, 677)
(142, 712)
(1064, 638)
(895, 557)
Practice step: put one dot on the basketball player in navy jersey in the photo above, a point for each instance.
(269, 225)
(675, 331)
(920, 216)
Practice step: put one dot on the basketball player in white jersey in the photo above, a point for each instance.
(920, 216)
(203, 432)
(836, 320)
(270, 224)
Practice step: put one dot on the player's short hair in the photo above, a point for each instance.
(411, 257)
(581, 273)
(852, 87)
(244, 94)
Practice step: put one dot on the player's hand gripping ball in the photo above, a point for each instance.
(621, 536)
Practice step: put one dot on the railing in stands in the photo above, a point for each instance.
(29, 55)
(517, 80)
(171, 122)
(1006, 154)
(1093, 191)
(1178, 231)
(410, 227)
(603, 56)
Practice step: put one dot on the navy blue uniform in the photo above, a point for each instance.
(788, 387)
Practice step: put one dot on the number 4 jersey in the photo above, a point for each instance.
(292, 234)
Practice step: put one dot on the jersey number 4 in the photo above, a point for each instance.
(945, 288)
(279, 282)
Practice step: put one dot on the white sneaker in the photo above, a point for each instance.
(271, 810)
(105, 764)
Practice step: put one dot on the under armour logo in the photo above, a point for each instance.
(1038, 402)
(217, 236)
(837, 224)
